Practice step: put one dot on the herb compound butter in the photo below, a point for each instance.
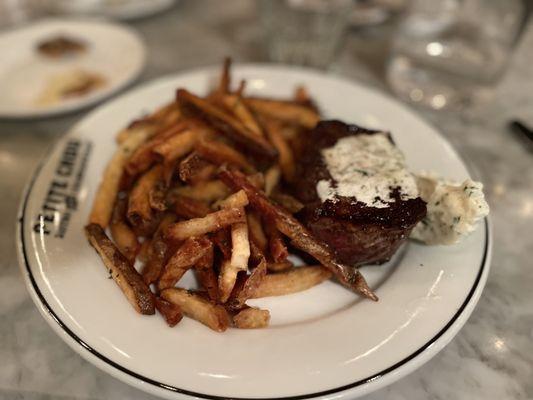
(368, 168)
(453, 210)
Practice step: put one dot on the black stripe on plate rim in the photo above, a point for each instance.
(171, 388)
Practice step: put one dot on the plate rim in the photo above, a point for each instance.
(371, 383)
(97, 98)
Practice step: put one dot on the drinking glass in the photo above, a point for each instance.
(451, 53)
(305, 32)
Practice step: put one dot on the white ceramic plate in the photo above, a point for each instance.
(113, 51)
(323, 343)
(121, 9)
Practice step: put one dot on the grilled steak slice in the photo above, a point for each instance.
(359, 233)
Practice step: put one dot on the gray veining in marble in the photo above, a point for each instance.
(492, 356)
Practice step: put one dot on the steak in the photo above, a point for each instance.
(357, 232)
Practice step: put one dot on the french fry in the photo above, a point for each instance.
(292, 281)
(198, 308)
(182, 260)
(120, 269)
(225, 77)
(287, 201)
(272, 179)
(207, 191)
(144, 250)
(177, 146)
(286, 111)
(240, 247)
(170, 311)
(187, 207)
(194, 168)
(139, 208)
(107, 191)
(257, 234)
(143, 157)
(248, 288)
(227, 124)
(238, 199)
(251, 318)
(146, 127)
(300, 237)
(285, 155)
(206, 274)
(220, 153)
(276, 245)
(121, 232)
(280, 266)
(157, 252)
(210, 223)
(241, 111)
(242, 86)
(222, 239)
(226, 280)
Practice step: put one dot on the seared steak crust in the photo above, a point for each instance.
(357, 233)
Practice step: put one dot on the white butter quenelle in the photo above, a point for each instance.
(453, 209)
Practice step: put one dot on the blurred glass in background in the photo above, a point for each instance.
(451, 53)
(304, 32)
(14, 12)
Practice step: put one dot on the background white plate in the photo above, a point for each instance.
(325, 342)
(113, 51)
(120, 9)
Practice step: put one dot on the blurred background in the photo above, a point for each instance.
(463, 65)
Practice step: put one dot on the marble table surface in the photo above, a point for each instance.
(492, 356)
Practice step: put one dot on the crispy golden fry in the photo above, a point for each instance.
(121, 232)
(285, 155)
(251, 318)
(188, 254)
(143, 157)
(206, 274)
(222, 239)
(220, 153)
(198, 308)
(139, 207)
(225, 77)
(238, 199)
(240, 247)
(257, 234)
(107, 191)
(210, 223)
(187, 207)
(122, 272)
(272, 179)
(177, 146)
(287, 201)
(160, 119)
(286, 111)
(241, 111)
(280, 266)
(276, 245)
(133, 130)
(227, 124)
(157, 252)
(193, 169)
(170, 311)
(300, 237)
(248, 287)
(207, 191)
(226, 280)
(144, 250)
(242, 86)
(292, 281)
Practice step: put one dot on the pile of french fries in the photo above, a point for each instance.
(198, 185)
